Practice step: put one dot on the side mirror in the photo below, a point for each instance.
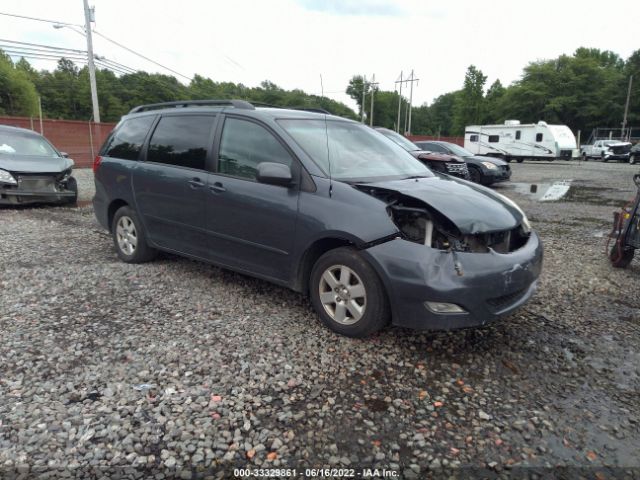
(274, 174)
(64, 154)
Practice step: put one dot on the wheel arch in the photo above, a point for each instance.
(113, 208)
(311, 255)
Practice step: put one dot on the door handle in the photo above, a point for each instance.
(217, 188)
(196, 183)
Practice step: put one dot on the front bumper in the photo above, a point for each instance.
(617, 156)
(18, 197)
(486, 285)
(35, 189)
(497, 175)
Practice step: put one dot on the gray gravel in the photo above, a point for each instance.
(184, 369)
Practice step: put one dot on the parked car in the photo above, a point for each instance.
(438, 162)
(634, 154)
(483, 170)
(32, 170)
(606, 150)
(319, 204)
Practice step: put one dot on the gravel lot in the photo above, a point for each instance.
(183, 369)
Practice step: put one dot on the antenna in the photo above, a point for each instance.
(321, 87)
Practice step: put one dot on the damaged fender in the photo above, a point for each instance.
(490, 284)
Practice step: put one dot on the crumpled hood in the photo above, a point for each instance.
(472, 208)
(34, 164)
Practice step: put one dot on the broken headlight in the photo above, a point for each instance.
(6, 177)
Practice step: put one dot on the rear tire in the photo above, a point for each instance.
(520, 160)
(621, 259)
(347, 294)
(129, 237)
(585, 158)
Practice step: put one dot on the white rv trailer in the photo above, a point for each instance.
(516, 141)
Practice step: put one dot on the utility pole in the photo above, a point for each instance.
(364, 92)
(626, 107)
(92, 68)
(407, 120)
(410, 103)
(399, 103)
(372, 84)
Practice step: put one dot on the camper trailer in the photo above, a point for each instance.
(516, 141)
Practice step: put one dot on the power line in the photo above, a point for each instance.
(36, 48)
(106, 38)
(38, 19)
(107, 61)
(51, 47)
(140, 55)
(52, 56)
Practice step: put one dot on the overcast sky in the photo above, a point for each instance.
(293, 42)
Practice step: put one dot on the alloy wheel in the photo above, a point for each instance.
(126, 235)
(342, 294)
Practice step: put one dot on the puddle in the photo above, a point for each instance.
(567, 191)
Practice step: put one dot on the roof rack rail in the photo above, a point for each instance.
(313, 109)
(306, 109)
(241, 104)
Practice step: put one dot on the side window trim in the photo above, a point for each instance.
(208, 162)
(296, 165)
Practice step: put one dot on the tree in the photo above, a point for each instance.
(441, 111)
(354, 90)
(18, 95)
(468, 108)
(492, 109)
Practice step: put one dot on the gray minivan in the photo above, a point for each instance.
(319, 204)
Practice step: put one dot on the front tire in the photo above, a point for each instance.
(475, 175)
(72, 185)
(632, 160)
(347, 294)
(129, 237)
(621, 258)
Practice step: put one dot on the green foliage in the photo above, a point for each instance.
(469, 104)
(18, 95)
(66, 93)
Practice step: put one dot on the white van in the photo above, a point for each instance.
(515, 141)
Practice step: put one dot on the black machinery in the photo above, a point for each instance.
(626, 231)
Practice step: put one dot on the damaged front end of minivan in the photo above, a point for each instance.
(455, 263)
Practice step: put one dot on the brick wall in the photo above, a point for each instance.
(81, 140)
(456, 140)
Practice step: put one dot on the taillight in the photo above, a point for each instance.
(96, 163)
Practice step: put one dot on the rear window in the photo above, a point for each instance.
(126, 142)
(182, 141)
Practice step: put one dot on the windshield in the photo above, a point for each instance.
(408, 145)
(458, 150)
(17, 143)
(351, 151)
